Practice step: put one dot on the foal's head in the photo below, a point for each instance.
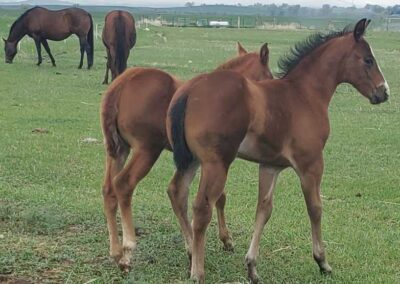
(10, 50)
(252, 65)
(361, 68)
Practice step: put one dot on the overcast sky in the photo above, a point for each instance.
(172, 3)
(310, 3)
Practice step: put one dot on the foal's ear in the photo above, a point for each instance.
(360, 28)
(240, 49)
(264, 54)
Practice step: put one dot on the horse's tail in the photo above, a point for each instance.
(120, 61)
(183, 157)
(115, 144)
(90, 42)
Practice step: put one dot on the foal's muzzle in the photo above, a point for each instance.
(8, 60)
(381, 95)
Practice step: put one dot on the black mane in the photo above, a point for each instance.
(301, 49)
(21, 17)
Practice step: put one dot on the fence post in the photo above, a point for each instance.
(238, 23)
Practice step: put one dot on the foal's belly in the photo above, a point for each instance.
(252, 149)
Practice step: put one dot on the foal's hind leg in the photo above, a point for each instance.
(223, 231)
(125, 182)
(47, 48)
(212, 182)
(267, 181)
(310, 183)
(178, 192)
(113, 167)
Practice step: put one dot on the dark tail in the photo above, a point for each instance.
(120, 56)
(182, 156)
(90, 42)
(115, 144)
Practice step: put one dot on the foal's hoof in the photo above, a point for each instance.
(252, 272)
(124, 265)
(198, 279)
(325, 269)
(228, 246)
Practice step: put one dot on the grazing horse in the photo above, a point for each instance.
(42, 24)
(119, 36)
(133, 116)
(276, 123)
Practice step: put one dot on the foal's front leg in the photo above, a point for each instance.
(267, 181)
(310, 177)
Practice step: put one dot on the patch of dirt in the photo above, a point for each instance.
(13, 280)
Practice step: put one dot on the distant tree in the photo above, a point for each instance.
(189, 4)
(375, 8)
(25, 6)
(326, 10)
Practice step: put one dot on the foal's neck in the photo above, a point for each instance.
(317, 75)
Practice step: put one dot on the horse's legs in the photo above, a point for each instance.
(124, 183)
(267, 181)
(310, 184)
(47, 48)
(39, 51)
(82, 43)
(223, 231)
(89, 57)
(113, 167)
(107, 66)
(178, 191)
(212, 182)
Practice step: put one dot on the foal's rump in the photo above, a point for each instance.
(135, 102)
(202, 115)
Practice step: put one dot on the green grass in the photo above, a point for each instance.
(52, 228)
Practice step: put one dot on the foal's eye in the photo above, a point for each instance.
(369, 61)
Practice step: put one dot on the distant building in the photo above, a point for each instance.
(219, 24)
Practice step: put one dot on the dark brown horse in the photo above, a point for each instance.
(119, 36)
(133, 116)
(42, 24)
(276, 123)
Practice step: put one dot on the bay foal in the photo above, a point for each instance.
(276, 123)
(133, 116)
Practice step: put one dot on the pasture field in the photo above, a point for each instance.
(52, 228)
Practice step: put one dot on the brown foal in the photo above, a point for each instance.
(133, 115)
(276, 123)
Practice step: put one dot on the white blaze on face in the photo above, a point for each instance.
(384, 83)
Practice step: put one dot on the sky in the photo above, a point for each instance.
(309, 3)
(177, 3)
